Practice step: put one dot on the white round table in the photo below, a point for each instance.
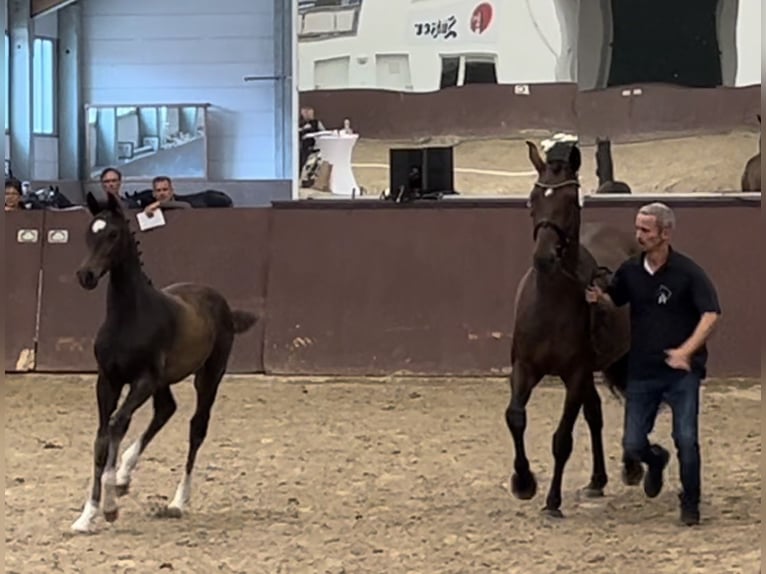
(336, 149)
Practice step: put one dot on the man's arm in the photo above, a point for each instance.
(705, 300)
(616, 293)
(701, 333)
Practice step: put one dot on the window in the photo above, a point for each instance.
(460, 70)
(450, 72)
(480, 72)
(7, 82)
(43, 86)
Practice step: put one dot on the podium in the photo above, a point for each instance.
(336, 149)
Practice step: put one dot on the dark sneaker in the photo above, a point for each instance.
(690, 513)
(690, 516)
(653, 478)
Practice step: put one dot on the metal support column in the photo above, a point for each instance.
(71, 140)
(285, 102)
(20, 121)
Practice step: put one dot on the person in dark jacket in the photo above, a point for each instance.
(673, 308)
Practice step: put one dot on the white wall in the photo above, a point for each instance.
(534, 41)
(190, 51)
(45, 152)
(525, 36)
(749, 43)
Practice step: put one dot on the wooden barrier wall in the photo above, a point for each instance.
(357, 288)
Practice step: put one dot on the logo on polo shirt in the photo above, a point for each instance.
(663, 295)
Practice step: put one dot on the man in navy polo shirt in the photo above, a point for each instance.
(673, 309)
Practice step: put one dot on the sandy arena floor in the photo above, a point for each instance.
(364, 477)
(703, 163)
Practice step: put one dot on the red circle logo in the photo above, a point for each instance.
(481, 17)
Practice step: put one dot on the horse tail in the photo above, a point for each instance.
(616, 377)
(243, 320)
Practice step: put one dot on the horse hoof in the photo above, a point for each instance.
(168, 512)
(122, 489)
(592, 492)
(523, 488)
(111, 515)
(553, 512)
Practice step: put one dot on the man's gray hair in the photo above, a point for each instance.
(661, 212)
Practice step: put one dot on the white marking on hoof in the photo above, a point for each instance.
(84, 524)
(128, 463)
(182, 495)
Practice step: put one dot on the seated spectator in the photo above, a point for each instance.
(111, 183)
(13, 195)
(164, 196)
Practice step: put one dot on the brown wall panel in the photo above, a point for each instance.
(477, 109)
(201, 246)
(225, 249)
(375, 291)
(69, 315)
(495, 111)
(429, 290)
(355, 289)
(22, 271)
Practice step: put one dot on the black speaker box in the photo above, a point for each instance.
(423, 170)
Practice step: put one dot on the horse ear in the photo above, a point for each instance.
(534, 157)
(113, 203)
(92, 203)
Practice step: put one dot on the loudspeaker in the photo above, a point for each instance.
(424, 170)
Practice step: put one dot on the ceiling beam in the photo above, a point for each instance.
(42, 7)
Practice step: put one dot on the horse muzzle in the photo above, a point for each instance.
(88, 278)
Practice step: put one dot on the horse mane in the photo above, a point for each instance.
(136, 243)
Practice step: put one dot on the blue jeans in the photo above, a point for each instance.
(642, 402)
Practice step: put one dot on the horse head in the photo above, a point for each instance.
(108, 239)
(555, 204)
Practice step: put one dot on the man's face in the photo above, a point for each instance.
(111, 183)
(163, 191)
(12, 198)
(648, 232)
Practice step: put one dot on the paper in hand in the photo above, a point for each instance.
(149, 221)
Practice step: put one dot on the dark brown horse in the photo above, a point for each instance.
(149, 340)
(556, 332)
(605, 169)
(751, 177)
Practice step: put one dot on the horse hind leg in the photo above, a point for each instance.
(206, 383)
(523, 482)
(164, 408)
(563, 442)
(595, 419)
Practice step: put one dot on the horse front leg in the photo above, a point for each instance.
(595, 419)
(107, 397)
(563, 441)
(523, 380)
(139, 393)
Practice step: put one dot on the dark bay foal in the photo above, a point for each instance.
(150, 339)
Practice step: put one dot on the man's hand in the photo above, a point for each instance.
(678, 359)
(593, 294)
(151, 208)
